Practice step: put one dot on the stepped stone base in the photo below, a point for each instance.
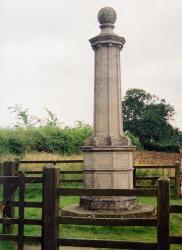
(139, 212)
(108, 203)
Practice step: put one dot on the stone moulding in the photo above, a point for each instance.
(107, 41)
(108, 149)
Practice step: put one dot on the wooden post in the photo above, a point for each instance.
(16, 160)
(177, 180)
(134, 177)
(21, 212)
(163, 213)
(1, 168)
(50, 213)
(10, 169)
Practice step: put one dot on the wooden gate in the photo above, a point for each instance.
(51, 220)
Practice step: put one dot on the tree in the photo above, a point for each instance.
(23, 118)
(147, 117)
(51, 120)
(26, 120)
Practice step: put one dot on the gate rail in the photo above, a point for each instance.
(51, 219)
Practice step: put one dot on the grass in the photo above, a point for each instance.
(6, 245)
(33, 193)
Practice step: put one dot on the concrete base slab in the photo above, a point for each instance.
(138, 212)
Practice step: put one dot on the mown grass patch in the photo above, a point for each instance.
(34, 193)
(97, 232)
(5, 245)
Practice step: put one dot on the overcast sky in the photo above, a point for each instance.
(46, 59)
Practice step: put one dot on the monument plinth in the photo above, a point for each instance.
(108, 154)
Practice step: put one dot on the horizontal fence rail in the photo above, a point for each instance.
(61, 172)
(16, 180)
(50, 221)
(32, 204)
(10, 221)
(107, 244)
(175, 209)
(175, 240)
(50, 161)
(107, 221)
(154, 166)
(136, 178)
(151, 178)
(106, 192)
(14, 238)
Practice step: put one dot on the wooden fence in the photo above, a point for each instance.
(175, 180)
(51, 220)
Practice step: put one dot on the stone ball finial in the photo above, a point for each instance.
(107, 15)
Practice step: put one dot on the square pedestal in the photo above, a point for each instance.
(108, 168)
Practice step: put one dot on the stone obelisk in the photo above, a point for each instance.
(108, 154)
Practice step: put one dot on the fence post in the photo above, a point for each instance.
(134, 177)
(50, 213)
(163, 218)
(10, 169)
(21, 211)
(177, 180)
(1, 168)
(16, 160)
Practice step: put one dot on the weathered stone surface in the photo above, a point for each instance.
(108, 168)
(107, 15)
(108, 154)
(138, 212)
(108, 129)
(108, 204)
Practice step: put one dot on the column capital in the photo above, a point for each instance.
(107, 40)
(107, 17)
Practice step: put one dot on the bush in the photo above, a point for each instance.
(3, 142)
(12, 142)
(44, 139)
(162, 147)
(135, 140)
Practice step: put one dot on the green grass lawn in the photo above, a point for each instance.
(33, 193)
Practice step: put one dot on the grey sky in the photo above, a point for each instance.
(46, 59)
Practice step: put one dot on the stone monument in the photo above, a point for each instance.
(108, 154)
